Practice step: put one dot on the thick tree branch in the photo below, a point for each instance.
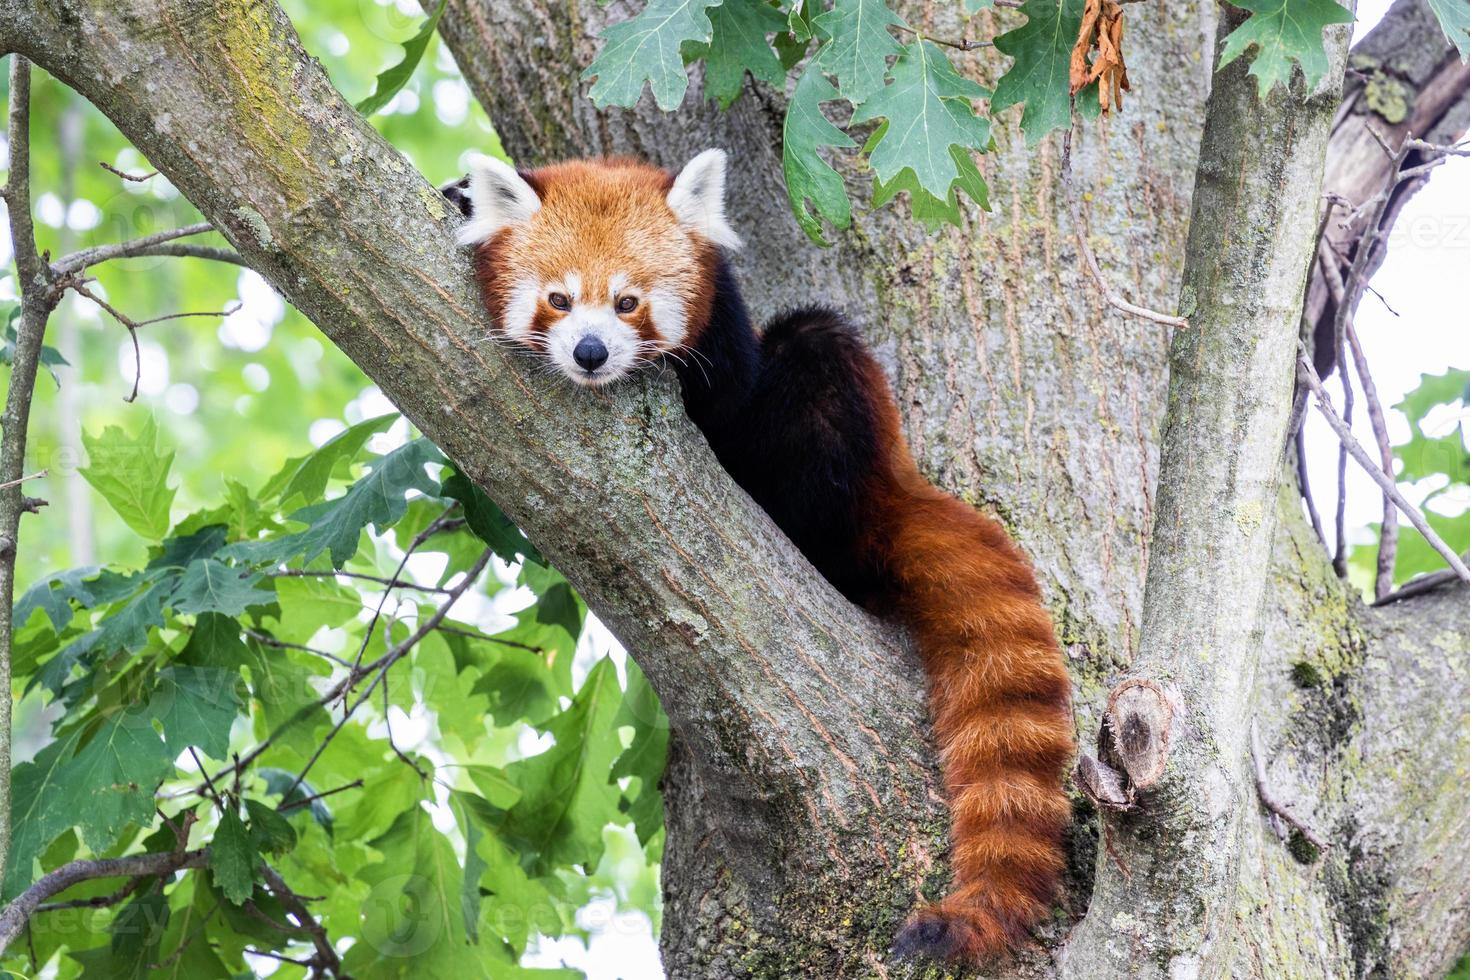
(1178, 726)
(13, 917)
(777, 687)
(800, 778)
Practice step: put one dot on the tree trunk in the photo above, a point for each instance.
(802, 799)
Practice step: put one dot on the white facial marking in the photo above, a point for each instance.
(499, 196)
(669, 317)
(598, 323)
(616, 283)
(574, 286)
(698, 198)
(520, 309)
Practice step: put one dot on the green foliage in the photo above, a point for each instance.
(1282, 32)
(808, 177)
(224, 645)
(132, 476)
(391, 81)
(1435, 452)
(738, 44)
(1041, 48)
(928, 121)
(645, 50)
(1454, 20)
(859, 46)
(929, 115)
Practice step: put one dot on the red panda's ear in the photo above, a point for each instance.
(499, 196)
(698, 198)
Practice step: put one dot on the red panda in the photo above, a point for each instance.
(603, 266)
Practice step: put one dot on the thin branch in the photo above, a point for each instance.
(1420, 585)
(271, 641)
(963, 44)
(80, 287)
(383, 663)
(132, 327)
(227, 311)
(354, 675)
(13, 917)
(326, 954)
(185, 251)
(213, 791)
(96, 902)
(136, 178)
(37, 300)
(435, 526)
(307, 800)
(1268, 798)
(78, 261)
(38, 475)
(1388, 537)
(280, 957)
(1306, 488)
(476, 635)
(1309, 377)
(392, 743)
(1074, 206)
(391, 583)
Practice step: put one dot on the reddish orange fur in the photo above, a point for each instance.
(1000, 698)
(999, 687)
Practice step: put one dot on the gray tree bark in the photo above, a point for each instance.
(803, 805)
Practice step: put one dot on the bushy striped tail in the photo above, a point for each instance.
(1000, 699)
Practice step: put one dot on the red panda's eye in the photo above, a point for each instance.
(559, 301)
(627, 304)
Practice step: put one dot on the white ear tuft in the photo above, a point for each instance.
(698, 198)
(499, 197)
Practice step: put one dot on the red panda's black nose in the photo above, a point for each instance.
(590, 353)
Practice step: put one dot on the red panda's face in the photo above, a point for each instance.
(600, 266)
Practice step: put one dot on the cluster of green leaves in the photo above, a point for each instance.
(1438, 411)
(224, 645)
(927, 125)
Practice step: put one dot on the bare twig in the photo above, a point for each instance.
(78, 261)
(391, 583)
(306, 800)
(80, 287)
(13, 917)
(280, 957)
(136, 178)
(1268, 798)
(1074, 206)
(38, 475)
(963, 44)
(1388, 537)
(213, 791)
(326, 954)
(435, 526)
(1309, 376)
(185, 251)
(392, 743)
(271, 641)
(387, 660)
(1306, 488)
(1420, 585)
(355, 674)
(95, 902)
(126, 321)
